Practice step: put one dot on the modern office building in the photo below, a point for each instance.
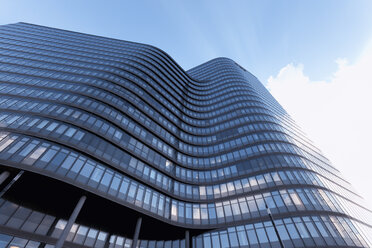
(107, 143)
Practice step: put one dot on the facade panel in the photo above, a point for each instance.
(205, 153)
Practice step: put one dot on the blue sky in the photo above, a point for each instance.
(262, 36)
(314, 56)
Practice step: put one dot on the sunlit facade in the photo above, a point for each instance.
(108, 143)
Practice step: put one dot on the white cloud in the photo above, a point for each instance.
(335, 113)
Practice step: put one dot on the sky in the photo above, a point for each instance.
(315, 56)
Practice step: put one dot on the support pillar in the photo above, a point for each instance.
(11, 183)
(70, 222)
(4, 176)
(273, 223)
(187, 239)
(136, 232)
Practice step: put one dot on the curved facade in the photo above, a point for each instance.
(206, 152)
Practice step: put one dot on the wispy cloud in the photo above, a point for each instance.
(336, 113)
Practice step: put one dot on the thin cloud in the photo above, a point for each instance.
(336, 113)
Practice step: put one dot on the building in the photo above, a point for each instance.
(109, 143)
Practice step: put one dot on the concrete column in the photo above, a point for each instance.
(70, 222)
(187, 239)
(136, 232)
(4, 176)
(273, 222)
(7, 187)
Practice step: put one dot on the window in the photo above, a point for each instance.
(70, 132)
(25, 151)
(85, 172)
(35, 155)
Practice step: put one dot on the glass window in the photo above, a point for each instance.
(252, 206)
(76, 167)
(245, 184)
(35, 155)
(52, 126)
(261, 181)
(242, 236)
(60, 225)
(233, 237)
(154, 202)
(223, 190)
(282, 232)
(102, 236)
(296, 199)
(252, 237)
(304, 199)
(292, 231)
(66, 165)
(204, 212)
(212, 213)
(18, 145)
(132, 191)
(124, 188)
(18, 242)
(96, 176)
(80, 235)
(32, 244)
(207, 241)
(320, 227)
(91, 237)
(271, 233)
(253, 183)
(57, 160)
(174, 211)
(48, 155)
(312, 229)
(70, 132)
(25, 151)
(276, 178)
(85, 172)
(238, 186)
(215, 241)
(216, 190)
(45, 225)
(106, 180)
(196, 213)
(261, 235)
(302, 230)
(287, 200)
(61, 129)
(202, 192)
(260, 204)
(72, 232)
(268, 179)
(79, 135)
(224, 240)
(115, 185)
(42, 124)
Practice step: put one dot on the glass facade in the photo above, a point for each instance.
(207, 149)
